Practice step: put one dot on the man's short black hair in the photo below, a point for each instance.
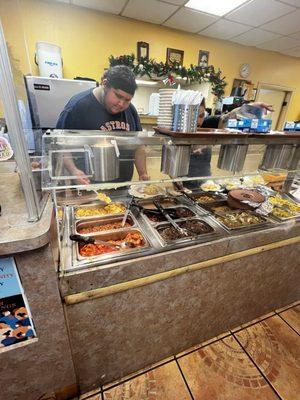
(121, 77)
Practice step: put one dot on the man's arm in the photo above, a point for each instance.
(82, 179)
(140, 153)
(232, 114)
(141, 163)
(67, 121)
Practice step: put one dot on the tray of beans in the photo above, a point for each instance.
(175, 213)
(89, 211)
(192, 228)
(104, 224)
(110, 245)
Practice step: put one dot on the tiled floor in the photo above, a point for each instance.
(257, 361)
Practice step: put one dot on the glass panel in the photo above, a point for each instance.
(12, 25)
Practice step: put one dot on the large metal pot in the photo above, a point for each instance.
(175, 160)
(106, 161)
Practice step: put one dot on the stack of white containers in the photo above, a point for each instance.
(154, 104)
(165, 117)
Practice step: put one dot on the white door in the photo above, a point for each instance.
(277, 99)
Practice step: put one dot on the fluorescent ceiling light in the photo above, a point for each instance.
(215, 7)
(144, 82)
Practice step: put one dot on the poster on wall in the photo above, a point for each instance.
(16, 324)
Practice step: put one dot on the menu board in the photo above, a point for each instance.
(16, 324)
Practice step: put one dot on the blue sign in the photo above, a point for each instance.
(9, 281)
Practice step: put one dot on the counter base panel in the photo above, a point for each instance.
(116, 335)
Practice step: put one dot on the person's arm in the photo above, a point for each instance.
(81, 179)
(141, 163)
(232, 114)
(140, 153)
(67, 121)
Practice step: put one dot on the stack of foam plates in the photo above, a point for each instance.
(165, 117)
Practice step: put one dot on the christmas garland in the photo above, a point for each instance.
(172, 70)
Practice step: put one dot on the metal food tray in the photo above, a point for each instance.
(251, 227)
(96, 205)
(292, 200)
(196, 237)
(208, 207)
(159, 200)
(114, 235)
(278, 219)
(104, 221)
(177, 219)
(195, 194)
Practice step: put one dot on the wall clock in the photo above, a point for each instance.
(244, 70)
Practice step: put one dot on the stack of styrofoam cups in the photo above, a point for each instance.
(165, 117)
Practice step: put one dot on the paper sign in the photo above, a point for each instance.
(16, 324)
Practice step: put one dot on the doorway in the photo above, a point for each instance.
(279, 97)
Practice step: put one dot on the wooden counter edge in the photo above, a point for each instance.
(121, 287)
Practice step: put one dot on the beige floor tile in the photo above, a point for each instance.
(254, 321)
(198, 346)
(162, 383)
(275, 348)
(223, 371)
(130, 376)
(292, 317)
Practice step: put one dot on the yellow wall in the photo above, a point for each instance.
(89, 37)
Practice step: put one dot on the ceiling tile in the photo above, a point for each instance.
(150, 11)
(295, 3)
(190, 20)
(295, 35)
(258, 12)
(285, 25)
(254, 37)
(176, 2)
(110, 6)
(295, 52)
(283, 43)
(224, 29)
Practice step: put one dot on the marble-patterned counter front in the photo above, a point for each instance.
(127, 328)
(40, 368)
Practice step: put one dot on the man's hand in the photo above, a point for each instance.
(81, 179)
(264, 106)
(144, 177)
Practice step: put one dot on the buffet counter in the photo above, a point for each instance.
(126, 314)
(32, 246)
(137, 294)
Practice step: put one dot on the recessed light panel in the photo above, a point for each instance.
(215, 7)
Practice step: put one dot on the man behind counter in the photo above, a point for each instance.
(200, 160)
(107, 108)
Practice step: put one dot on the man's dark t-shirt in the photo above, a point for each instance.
(200, 163)
(84, 111)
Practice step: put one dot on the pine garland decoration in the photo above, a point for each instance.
(171, 71)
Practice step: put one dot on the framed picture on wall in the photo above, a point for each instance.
(142, 50)
(174, 55)
(203, 58)
(240, 87)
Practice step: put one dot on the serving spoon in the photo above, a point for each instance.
(91, 240)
